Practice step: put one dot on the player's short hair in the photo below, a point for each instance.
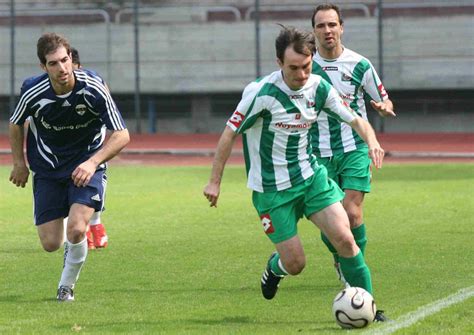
(303, 42)
(75, 57)
(50, 42)
(327, 6)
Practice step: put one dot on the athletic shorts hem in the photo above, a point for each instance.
(323, 206)
(284, 238)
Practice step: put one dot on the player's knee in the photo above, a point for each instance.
(346, 246)
(354, 213)
(296, 265)
(51, 246)
(75, 234)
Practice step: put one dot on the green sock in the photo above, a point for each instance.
(356, 272)
(276, 266)
(360, 237)
(330, 247)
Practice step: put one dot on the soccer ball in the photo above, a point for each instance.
(354, 307)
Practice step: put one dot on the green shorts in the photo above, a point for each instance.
(280, 211)
(350, 170)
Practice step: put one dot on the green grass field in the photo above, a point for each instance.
(176, 266)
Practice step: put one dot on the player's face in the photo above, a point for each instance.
(296, 68)
(327, 29)
(59, 69)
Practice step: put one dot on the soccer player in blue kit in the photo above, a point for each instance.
(69, 113)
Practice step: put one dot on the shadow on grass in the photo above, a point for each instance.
(218, 325)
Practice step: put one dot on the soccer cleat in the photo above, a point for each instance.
(100, 236)
(270, 281)
(65, 294)
(380, 316)
(90, 238)
(340, 276)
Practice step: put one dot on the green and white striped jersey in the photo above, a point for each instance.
(354, 77)
(274, 121)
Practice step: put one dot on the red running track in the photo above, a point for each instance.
(198, 149)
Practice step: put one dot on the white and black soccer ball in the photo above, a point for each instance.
(354, 307)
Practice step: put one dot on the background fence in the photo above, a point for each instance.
(195, 59)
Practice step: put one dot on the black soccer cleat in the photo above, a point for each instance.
(270, 281)
(380, 316)
(65, 294)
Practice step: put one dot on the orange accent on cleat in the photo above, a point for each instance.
(100, 236)
(90, 238)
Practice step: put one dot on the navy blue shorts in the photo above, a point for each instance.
(53, 197)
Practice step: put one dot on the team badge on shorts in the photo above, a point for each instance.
(267, 224)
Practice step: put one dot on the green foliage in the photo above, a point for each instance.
(176, 266)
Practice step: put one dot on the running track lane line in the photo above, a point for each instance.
(424, 311)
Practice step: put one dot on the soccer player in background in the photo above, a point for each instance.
(69, 113)
(274, 116)
(96, 235)
(335, 145)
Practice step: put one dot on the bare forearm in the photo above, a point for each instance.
(365, 130)
(17, 138)
(116, 142)
(224, 149)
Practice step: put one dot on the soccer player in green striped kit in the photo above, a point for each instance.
(335, 145)
(274, 117)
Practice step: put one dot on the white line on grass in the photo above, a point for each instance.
(424, 311)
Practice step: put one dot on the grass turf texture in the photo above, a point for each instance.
(174, 265)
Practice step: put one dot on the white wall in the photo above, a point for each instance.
(420, 53)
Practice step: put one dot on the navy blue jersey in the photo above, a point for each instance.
(65, 130)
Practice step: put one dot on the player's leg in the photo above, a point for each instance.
(90, 238)
(353, 205)
(323, 207)
(76, 254)
(355, 177)
(83, 202)
(333, 222)
(50, 207)
(331, 165)
(51, 234)
(97, 230)
(351, 171)
(279, 213)
(355, 180)
(289, 252)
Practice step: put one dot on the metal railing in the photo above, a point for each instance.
(204, 11)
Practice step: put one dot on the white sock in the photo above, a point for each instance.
(95, 219)
(74, 260)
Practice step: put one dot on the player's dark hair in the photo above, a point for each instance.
(75, 57)
(303, 42)
(50, 42)
(327, 6)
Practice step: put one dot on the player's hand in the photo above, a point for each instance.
(81, 176)
(377, 154)
(19, 175)
(382, 108)
(211, 192)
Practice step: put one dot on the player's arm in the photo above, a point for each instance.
(223, 151)
(335, 107)
(373, 86)
(384, 108)
(20, 172)
(116, 142)
(365, 130)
